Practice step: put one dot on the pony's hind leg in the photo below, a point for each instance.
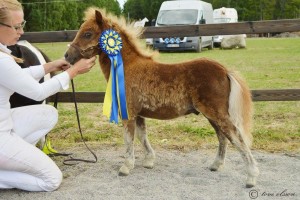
(238, 138)
(129, 128)
(142, 136)
(223, 143)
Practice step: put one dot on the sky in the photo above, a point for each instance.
(121, 2)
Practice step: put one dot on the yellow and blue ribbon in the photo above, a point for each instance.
(115, 96)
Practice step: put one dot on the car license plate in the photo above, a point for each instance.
(172, 45)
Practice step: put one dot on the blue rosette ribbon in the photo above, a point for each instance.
(110, 42)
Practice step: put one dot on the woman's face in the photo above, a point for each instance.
(10, 35)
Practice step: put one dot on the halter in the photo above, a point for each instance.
(83, 51)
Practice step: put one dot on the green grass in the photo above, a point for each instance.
(272, 63)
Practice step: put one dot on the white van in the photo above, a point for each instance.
(223, 15)
(184, 12)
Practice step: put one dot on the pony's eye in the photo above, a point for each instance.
(87, 35)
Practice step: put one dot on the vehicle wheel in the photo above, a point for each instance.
(199, 48)
(211, 46)
(217, 45)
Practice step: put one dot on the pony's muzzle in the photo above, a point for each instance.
(72, 56)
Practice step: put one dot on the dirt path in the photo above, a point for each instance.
(176, 175)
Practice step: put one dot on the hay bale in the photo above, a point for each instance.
(233, 41)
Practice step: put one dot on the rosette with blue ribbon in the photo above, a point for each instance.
(115, 96)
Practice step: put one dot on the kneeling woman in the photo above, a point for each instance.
(22, 165)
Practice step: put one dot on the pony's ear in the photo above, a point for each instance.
(99, 17)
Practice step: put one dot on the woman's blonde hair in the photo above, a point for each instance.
(5, 7)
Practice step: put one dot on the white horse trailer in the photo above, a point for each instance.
(223, 15)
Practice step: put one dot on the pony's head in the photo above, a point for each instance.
(96, 21)
(85, 44)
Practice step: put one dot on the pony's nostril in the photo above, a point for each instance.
(66, 55)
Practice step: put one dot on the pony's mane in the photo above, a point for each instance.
(120, 25)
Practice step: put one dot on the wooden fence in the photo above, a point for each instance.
(252, 27)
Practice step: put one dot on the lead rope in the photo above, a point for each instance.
(71, 159)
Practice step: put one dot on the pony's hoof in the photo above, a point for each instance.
(215, 167)
(249, 185)
(148, 167)
(251, 182)
(148, 163)
(124, 171)
(122, 174)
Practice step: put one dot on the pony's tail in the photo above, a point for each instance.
(240, 107)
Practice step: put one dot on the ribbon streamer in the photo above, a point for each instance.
(115, 96)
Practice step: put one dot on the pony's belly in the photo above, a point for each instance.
(166, 113)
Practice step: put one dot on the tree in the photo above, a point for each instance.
(70, 12)
(48, 15)
(133, 9)
(138, 9)
(286, 9)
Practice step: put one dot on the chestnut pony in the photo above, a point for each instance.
(166, 91)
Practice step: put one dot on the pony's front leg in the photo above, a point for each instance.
(129, 128)
(142, 135)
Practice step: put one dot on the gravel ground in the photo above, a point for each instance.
(176, 175)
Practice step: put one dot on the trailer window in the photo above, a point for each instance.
(177, 17)
(222, 20)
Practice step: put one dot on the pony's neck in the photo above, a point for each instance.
(129, 55)
(104, 65)
(129, 51)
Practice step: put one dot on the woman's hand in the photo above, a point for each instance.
(57, 65)
(81, 67)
